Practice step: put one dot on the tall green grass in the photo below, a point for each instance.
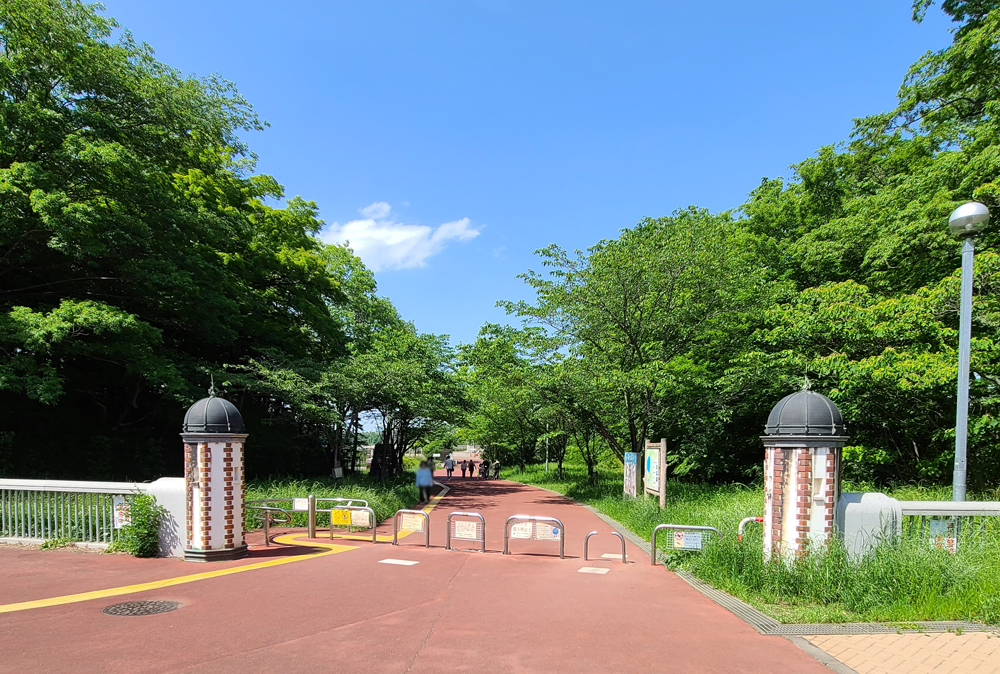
(900, 581)
(384, 499)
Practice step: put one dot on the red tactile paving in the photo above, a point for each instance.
(454, 611)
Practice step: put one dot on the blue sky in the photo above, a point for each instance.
(449, 140)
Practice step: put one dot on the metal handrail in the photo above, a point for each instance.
(459, 513)
(534, 518)
(951, 508)
(743, 522)
(682, 527)
(427, 525)
(586, 541)
(371, 520)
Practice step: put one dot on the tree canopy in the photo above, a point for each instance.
(843, 277)
(141, 255)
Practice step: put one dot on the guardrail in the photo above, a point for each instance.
(559, 533)
(744, 522)
(407, 524)
(479, 534)
(677, 527)
(351, 526)
(923, 516)
(268, 511)
(39, 510)
(586, 541)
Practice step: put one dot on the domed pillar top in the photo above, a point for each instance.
(803, 439)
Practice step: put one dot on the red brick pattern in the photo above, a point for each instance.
(781, 459)
(228, 494)
(205, 470)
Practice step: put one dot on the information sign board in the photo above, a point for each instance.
(944, 534)
(467, 531)
(521, 530)
(300, 504)
(340, 518)
(631, 474)
(411, 522)
(361, 518)
(121, 512)
(652, 476)
(547, 532)
(687, 540)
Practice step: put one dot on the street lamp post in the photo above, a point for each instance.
(965, 222)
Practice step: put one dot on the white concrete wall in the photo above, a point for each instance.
(169, 493)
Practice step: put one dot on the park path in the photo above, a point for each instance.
(452, 611)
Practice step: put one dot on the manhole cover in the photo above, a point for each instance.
(141, 608)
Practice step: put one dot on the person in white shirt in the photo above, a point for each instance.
(449, 466)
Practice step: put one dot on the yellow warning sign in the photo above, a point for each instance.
(340, 518)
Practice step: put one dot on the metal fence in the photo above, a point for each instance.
(971, 521)
(39, 510)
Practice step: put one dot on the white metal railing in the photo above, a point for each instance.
(39, 510)
(918, 516)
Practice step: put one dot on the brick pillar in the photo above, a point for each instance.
(215, 485)
(801, 490)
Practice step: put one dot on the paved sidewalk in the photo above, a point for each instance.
(944, 653)
(350, 611)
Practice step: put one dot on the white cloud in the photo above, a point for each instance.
(377, 211)
(385, 244)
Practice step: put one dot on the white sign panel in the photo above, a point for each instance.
(361, 518)
(466, 531)
(943, 534)
(121, 513)
(687, 540)
(300, 504)
(411, 522)
(521, 530)
(547, 532)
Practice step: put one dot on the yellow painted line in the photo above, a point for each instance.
(331, 549)
(287, 539)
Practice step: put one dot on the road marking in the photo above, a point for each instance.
(593, 569)
(611, 555)
(400, 562)
(329, 549)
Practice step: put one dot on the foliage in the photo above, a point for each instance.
(384, 498)
(141, 536)
(907, 581)
(844, 277)
(140, 255)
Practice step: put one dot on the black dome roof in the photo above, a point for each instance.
(805, 413)
(213, 415)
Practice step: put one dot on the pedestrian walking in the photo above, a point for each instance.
(464, 466)
(449, 467)
(496, 470)
(425, 480)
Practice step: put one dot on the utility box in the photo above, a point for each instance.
(865, 519)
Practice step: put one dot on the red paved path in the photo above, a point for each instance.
(454, 611)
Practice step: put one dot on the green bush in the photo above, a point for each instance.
(141, 536)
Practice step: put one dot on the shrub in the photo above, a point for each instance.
(141, 536)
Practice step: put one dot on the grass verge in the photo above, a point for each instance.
(901, 582)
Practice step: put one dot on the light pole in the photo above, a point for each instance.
(965, 221)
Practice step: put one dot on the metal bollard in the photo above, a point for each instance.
(586, 542)
(744, 521)
(311, 514)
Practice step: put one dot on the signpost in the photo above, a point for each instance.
(655, 479)
(631, 474)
